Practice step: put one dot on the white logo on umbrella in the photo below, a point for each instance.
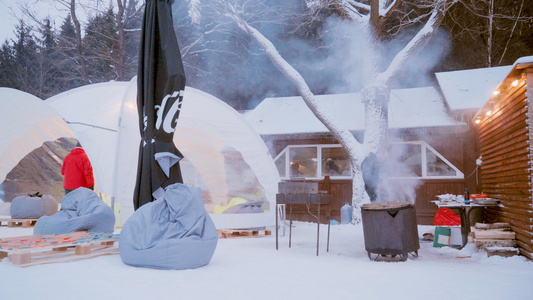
(166, 120)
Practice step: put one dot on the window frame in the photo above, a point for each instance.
(423, 155)
(319, 174)
(424, 148)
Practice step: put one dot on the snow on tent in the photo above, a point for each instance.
(224, 156)
(26, 123)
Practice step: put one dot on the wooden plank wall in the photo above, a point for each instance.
(428, 191)
(505, 173)
(341, 191)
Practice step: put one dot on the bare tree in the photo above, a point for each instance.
(127, 18)
(489, 33)
(69, 6)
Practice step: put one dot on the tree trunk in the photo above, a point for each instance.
(376, 100)
(79, 52)
(359, 194)
(121, 60)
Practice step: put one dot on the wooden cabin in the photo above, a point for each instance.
(505, 128)
(437, 150)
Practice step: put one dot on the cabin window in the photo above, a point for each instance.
(313, 162)
(420, 160)
(437, 166)
(335, 162)
(414, 160)
(303, 162)
(409, 155)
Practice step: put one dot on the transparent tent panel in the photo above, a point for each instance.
(227, 182)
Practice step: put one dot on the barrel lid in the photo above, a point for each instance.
(386, 206)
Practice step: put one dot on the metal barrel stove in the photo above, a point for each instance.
(390, 229)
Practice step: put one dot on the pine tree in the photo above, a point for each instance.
(68, 75)
(24, 64)
(101, 47)
(7, 56)
(46, 63)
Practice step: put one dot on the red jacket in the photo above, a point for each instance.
(77, 170)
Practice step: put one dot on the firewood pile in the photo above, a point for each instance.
(496, 239)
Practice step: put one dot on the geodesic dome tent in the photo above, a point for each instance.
(224, 156)
(26, 122)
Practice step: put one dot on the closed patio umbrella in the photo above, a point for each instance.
(161, 81)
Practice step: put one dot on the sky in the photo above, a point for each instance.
(8, 20)
(11, 8)
(252, 268)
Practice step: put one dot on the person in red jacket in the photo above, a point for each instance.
(77, 170)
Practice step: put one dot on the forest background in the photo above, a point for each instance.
(50, 56)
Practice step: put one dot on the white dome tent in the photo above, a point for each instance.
(223, 154)
(26, 122)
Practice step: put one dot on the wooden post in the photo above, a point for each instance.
(21, 257)
(83, 249)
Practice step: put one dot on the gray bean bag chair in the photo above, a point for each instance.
(81, 210)
(33, 206)
(174, 232)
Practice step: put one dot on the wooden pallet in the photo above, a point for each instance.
(238, 233)
(502, 251)
(24, 223)
(27, 251)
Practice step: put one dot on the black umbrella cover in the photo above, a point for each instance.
(160, 85)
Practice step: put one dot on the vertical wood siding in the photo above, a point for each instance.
(505, 146)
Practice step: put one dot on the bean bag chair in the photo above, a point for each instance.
(81, 210)
(173, 232)
(33, 206)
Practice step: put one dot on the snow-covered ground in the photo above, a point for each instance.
(251, 268)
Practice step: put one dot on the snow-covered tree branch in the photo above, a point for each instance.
(372, 19)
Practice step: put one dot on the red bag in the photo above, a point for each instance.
(476, 196)
(446, 217)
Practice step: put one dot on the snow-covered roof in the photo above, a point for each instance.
(408, 108)
(509, 77)
(470, 89)
(524, 60)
